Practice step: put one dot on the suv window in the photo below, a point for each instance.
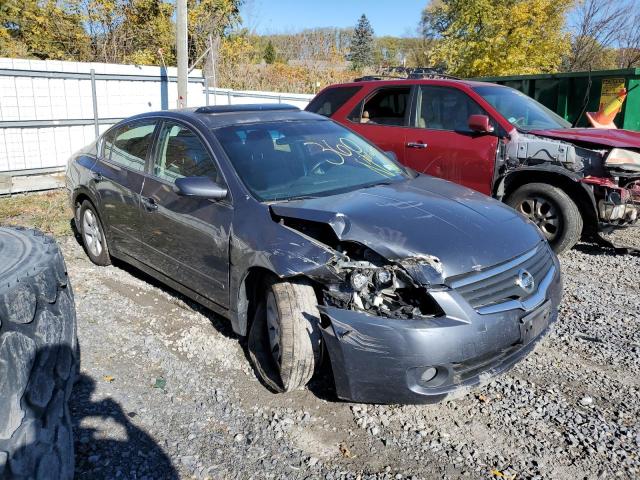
(388, 106)
(182, 154)
(444, 108)
(329, 101)
(128, 145)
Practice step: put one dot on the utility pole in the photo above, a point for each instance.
(181, 50)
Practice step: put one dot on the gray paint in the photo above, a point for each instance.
(206, 248)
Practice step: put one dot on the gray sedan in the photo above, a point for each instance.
(311, 240)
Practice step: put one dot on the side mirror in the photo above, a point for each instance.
(480, 124)
(200, 187)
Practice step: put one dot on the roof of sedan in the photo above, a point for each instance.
(215, 116)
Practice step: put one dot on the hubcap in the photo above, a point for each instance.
(543, 213)
(91, 233)
(273, 327)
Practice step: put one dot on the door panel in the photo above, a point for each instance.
(118, 176)
(439, 143)
(186, 238)
(382, 119)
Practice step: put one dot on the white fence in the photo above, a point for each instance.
(50, 109)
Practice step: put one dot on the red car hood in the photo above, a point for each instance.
(597, 136)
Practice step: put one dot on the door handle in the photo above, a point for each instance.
(149, 204)
(97, 176)
(416, 145)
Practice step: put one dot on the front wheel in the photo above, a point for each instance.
(552, 210)
(284, 340)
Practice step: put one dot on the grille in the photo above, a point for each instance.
(498, 284)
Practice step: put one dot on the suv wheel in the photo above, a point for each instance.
(551, 209)
(284, 340)
(93, 238)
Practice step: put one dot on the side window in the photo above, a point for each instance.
(128, 145)
(443, 108)
(182, 154)
(331, 100)
(388, 106)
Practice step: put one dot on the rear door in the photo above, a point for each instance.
(118, 176)
(186, 238)
(440, 143)
(383, 117)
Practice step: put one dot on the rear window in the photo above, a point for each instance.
(327, 102)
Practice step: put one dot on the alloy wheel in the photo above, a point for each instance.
(92, 233)
(543, 213)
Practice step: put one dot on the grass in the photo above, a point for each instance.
(49, 212)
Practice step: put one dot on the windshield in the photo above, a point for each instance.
(288, 160)
(521, 111)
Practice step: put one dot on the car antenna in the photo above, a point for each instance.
(585, 102)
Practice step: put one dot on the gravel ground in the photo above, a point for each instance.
(166, 391)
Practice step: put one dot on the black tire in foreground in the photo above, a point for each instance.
(552, 210)
(38, 357)
(285, 339)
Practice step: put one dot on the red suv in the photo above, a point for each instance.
(498, 141)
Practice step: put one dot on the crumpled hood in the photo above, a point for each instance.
(424, 216)
(596, 136)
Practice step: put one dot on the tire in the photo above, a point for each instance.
(546, 206)
(38, 360)
(293, 363)
(92, 233)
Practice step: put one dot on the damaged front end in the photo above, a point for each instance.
(610, 175)
(404, 330)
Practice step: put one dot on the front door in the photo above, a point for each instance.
(186, 238)
(440, 143)
(382, 118)
(118, 176)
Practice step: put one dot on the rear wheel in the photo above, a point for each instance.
(284, 340)
(93, 237)
(552, 210)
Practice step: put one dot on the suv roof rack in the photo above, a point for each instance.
(413, 73)
(369, 78)
(249, 107)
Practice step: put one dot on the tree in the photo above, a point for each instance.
(496, 37)
(45, 29)
(269, 53)
(362, 44)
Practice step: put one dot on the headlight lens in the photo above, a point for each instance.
(358, 280)
(623, 159)
(383, 278)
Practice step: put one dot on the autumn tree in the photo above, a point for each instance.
(496, 37)
(45, 29)
(362, 44)
(129, 31)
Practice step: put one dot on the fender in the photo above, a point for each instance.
(546, 173)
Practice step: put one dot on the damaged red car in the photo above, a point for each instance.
(571, 182)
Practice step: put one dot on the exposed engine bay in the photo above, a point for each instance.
(611, 174)
(365, 281)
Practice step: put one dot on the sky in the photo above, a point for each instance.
(397, 18)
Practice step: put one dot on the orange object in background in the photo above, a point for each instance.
(603, 118)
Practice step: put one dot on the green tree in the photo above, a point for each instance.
(269, 53)
(497, 37)
(362, 44)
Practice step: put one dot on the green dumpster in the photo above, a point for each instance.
(565, 93)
